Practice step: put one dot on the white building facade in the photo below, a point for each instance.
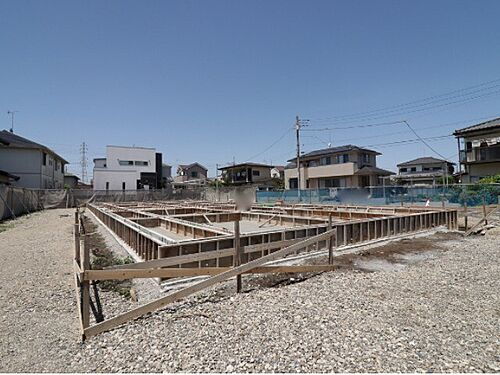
(127, 168)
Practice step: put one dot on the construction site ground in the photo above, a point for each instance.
(422, 304)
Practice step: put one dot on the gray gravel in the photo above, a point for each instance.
(439, 314)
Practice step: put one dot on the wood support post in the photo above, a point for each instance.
(329, 241)
(237, 254)
(85, 265)
(484, 211)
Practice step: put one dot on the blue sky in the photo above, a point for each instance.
(210, 81)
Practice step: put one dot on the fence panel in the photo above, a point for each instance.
(455, 195)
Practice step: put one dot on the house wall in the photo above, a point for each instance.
(116, 173)
(70, 181)
(264, 174)
(478, 171)
(27, 164)
(202, 174)
(324, 171)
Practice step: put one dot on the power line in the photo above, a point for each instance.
(423, 141)
(431, 99)
(356, 126)
(270, 146)
(403, 112)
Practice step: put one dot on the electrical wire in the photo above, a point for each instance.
(423, 141)
(271, 146)
(430, 99)
(401, 113)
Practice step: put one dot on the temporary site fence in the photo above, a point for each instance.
(456, 195)
(226, 254)
(16, 201)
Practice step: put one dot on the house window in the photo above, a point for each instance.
(468, 146)
(413, 169)
(313, 163)
(436, 168)
(366, 158)
(255, 173)
(44, 159)
(327, 160)
(345, 158)
(403, 169)
(123, 185)
(142, 163)
(194, 174)
(107, 185)
(426, 169)
(125, 162)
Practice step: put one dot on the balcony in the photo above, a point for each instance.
(482, 154)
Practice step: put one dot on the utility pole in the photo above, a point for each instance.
(298, 125)
(83, 161)
(12, 113)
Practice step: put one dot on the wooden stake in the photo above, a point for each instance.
(85, 265)
(330, 242)
(465, 216)
(237, 253)
(484, 211)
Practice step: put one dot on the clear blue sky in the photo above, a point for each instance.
(208, 81)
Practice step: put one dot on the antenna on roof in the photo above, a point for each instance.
(12, 113)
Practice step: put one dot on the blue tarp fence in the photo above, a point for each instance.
(458, 195)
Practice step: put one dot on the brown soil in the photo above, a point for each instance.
(392, 253)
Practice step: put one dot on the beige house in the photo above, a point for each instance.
(246, 173)
(193, 172)
(343, 166)
(479, 150)
(424, 171)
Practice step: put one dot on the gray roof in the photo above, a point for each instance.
(334, 150)
(365, 171)
(13, 140)
(424, 160)
(9, 175)
(187, 166)
(246, 165)
(67, 174)
(490, 124)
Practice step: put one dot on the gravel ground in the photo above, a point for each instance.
(438, 314)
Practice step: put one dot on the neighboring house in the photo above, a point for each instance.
(424, 171)
(278, 171)
(128, 168)
(343, 166)
(7, 179)
(193, 172)
(479, 150)
(37, 166)
(70, 180)
(246, 173)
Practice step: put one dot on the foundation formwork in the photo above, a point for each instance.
(201, 234)
(195, 238)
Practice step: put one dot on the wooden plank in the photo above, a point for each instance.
(177, 295)
(484, 219)
(268, 220)
(191, 272)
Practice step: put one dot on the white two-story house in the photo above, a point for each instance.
(343, 166)
(128, 168)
